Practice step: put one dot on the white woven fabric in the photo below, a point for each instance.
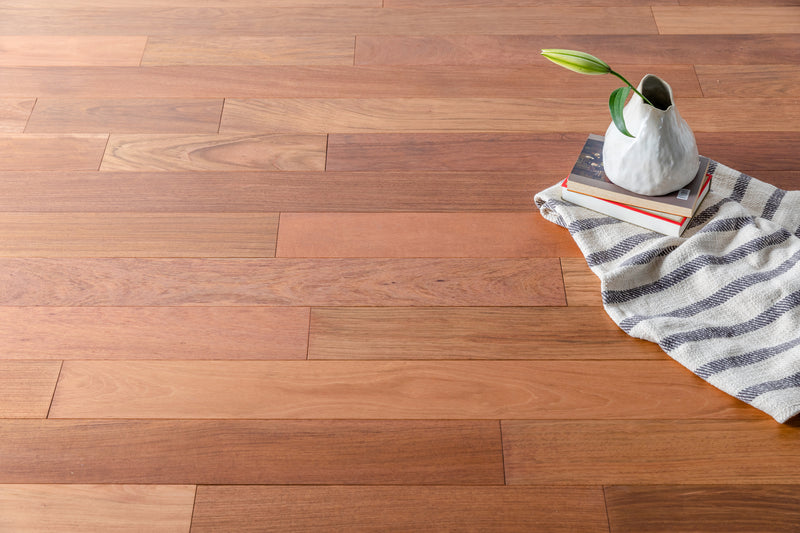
(723, 299)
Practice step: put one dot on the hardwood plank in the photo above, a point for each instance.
(278, 282)
(388, 390)
(250, 50)
(743, 81)
(223, 20)
(786, 179)
(678, 452)
(767, 508)
(253, 191)
(71, 50)
(71, 115)
(507, 509)
(167, 152)
(250, 4)
(251, 452)
(14, 113)
(726, 19)
(751, 152)
(153, 333)
(522, 234)
(581, 285)
(546, 4)
(26, 388)
(51, 152)
(493, 152)
(138, 235)
(620, 50)
(100, 508)
(471, 333)
(730, 115)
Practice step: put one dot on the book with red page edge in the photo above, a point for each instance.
(587, 177)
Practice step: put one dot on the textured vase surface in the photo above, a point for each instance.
(662, 157)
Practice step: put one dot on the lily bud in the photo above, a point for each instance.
(577, 61)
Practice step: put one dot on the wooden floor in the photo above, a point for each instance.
(274, 265)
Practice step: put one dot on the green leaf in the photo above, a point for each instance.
(616, 104)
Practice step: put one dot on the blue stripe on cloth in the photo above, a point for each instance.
(751, 393)
(619, 249)
(586, 224)
(649, 256)
(773, 203)
(745, 359)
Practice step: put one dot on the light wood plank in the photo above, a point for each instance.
(447, 152)
(250, 50)
(659, 52)
(280, 282)
(112, 5)
(251, 452)
(51, 152)
(581, 284)
(726, 19)
(138, 235)
(14, 113)
(99, 508)
(71, 50)
(26, 388)
(545, 4)
(297, 509)
(524, 234)
(153, 333)
(703, 508)
(71, 115)
(644, 452)
(388, 390)
(745, 81)
(166, 152)
(471, 333)
(254, 191)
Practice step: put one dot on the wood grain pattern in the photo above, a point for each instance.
(254, 191)
(138, 235)
(251, 452)
(520, 3)
(297, 509)
(751, 152)
(71, 115)
(524, 234)
(51, 152)
(768, 508)
(14, 113)
(447, 152)
(280, 282)
(581, 285)
(471, 333)
(96, 508)
(71, 50)
(166, 152)
(387, 390)
(774, 81)
(153, 333)
(726, 19)
(679, 452)
(26, 388)
(250, 50)
(660, 50)
(728, 114)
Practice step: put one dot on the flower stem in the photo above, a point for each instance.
(631, 86)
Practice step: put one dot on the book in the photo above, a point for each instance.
(588, 177)
(665, 223)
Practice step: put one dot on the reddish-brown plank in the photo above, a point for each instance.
(145, 115)
(726, 19)
(338, 508)
(153, 332)
(744, 81)
(26, 388)
(469, 4)
(138, 234)
(14, 113)
(51, 152)
(703, 508)
(251, 452)
(96, 508)
(786, 179)
(471, 333)
(293, 282)
(388, 390)
(581, 285)
(659, 52)
(488, 152)
(647, 452)
(167, 152)
(751, 152)
(523, 234)
(723, 115)
(71, 50)
(255, 191)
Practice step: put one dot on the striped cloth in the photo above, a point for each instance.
(723, 299)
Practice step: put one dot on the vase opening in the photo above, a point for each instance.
(657, 91)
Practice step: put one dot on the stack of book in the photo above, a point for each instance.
(588, 186)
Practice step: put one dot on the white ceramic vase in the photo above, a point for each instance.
(662, 157)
